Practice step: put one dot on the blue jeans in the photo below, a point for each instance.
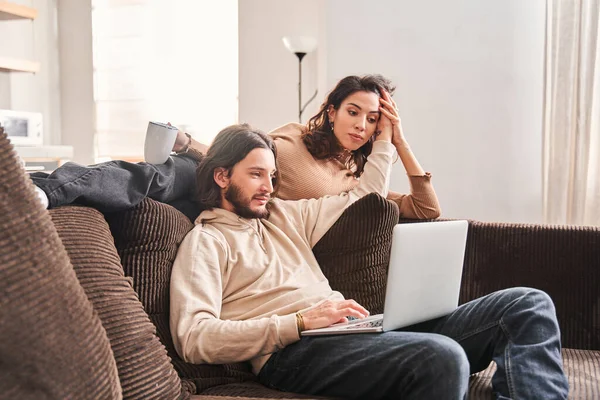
(118, 185)
(516, 328)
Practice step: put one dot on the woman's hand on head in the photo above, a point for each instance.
(390, 119)
(385, 129)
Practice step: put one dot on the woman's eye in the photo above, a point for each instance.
(372, 120)
(352, 112)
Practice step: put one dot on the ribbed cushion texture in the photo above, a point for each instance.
(581, 366)
(253, 390)
(147, 238)
(356, 250)
(145, 371)
(53, 345)
(563, 261)
(253, 396)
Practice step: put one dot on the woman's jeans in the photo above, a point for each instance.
(119, 185)
(516, 328)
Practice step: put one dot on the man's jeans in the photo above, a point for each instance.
(119, 185)
(516, 328)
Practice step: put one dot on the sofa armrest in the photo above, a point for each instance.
(354, 254)
(564, 261)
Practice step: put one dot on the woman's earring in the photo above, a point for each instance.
(331, 125)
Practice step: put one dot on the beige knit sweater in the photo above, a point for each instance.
(237, 283)
(304, 177)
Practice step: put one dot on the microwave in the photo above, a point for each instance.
(23, 128)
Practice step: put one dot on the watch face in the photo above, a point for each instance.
(15, 126)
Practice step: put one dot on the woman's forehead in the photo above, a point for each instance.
(364, 100)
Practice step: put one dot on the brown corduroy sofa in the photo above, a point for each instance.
(563, 261)
(122, 263)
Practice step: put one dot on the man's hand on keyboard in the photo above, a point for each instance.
(332, 312)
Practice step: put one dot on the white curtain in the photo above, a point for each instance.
(571, 173)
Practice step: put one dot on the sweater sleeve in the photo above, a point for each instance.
(421, 203)
(196, 150)
(197, 282)
(316, 216)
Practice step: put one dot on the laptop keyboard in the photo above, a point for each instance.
(369, 324)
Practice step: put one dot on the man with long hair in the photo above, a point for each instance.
(245, 284)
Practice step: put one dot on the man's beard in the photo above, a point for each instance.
(241, 206)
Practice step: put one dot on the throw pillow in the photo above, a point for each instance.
(354, 254)
(53, 344)
(147, 238)
(145, 371)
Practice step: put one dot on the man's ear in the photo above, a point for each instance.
(221, 177)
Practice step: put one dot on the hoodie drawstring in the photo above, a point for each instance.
(259, 233)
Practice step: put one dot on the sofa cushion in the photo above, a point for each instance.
(581, 366)
(53, 344)
(145, 371)
(252, 390)
(356, 251)
(561, 260)
(147, 238)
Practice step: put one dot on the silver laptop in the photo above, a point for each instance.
(424, 277)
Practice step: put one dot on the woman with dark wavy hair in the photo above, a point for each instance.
(327, 155)
(324, 157)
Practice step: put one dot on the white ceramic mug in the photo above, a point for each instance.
(160, 139)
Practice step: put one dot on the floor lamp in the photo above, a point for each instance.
(300, 46)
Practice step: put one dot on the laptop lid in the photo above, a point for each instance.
(425, 271)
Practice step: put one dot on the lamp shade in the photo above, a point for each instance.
(300, 44)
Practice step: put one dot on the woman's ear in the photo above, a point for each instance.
(221, 177)
(331, 112)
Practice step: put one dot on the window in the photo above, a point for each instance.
(162, 60)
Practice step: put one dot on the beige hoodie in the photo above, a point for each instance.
(237, 283)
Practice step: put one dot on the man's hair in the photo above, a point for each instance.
(229, 147)
(319, 138)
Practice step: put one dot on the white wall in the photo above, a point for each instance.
(469, 79)
(470, 91)
(34, 40)
(268, 72)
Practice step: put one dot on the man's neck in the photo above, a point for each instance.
(226, 205)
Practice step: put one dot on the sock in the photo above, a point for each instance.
(42, 196)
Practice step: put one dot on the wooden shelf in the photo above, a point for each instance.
(17, 65)
(10, 10)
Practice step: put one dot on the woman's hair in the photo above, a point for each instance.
(319, 138)
(229, 147)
